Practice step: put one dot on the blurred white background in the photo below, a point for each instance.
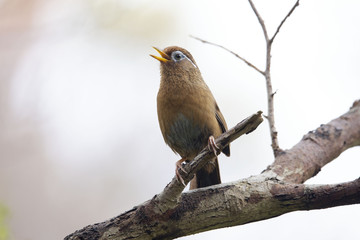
(79, 138)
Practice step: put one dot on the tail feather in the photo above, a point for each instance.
(207, 176)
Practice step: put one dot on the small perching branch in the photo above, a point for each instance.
(266, 73)
(170, 196)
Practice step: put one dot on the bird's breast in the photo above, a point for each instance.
(186, 136)
(187, 119)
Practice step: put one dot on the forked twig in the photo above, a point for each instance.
(266, 73)
(270, 94)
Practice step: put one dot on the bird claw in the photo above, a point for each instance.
(212, 145)
(179, 166)
(180, 179)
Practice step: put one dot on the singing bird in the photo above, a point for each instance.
(188, 114)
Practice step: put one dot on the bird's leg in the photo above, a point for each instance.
(178, 165)
(212, 145)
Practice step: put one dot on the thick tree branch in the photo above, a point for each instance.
(318, 147)
(242, 202)
(256, 198)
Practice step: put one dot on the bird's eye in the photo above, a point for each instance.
(177, 56)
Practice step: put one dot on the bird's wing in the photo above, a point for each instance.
(221, 120)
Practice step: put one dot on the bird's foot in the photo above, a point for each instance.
(212, 145)
(178, 165)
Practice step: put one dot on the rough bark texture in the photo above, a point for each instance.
(318, 147)
(276, 191)
(241, 202)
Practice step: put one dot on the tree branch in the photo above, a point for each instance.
(283, 21)
(261, 21)
(256, 198)
(232, 52)
(317, 148)
(169, 197)
(266, 73)
(270, 94)
(242, 202)
(250, 200)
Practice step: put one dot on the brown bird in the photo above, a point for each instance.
(189, 116)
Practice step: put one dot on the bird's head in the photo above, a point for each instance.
(175, 58)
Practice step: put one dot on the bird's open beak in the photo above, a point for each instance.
(164, 57)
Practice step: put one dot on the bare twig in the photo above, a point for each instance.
(232, 52)
(282, 22)
(261, 21)
(270, 94)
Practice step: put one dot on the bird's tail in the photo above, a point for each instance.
(207, 176)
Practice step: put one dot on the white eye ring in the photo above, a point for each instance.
(179, 56)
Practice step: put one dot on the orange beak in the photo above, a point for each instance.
(164, 57)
